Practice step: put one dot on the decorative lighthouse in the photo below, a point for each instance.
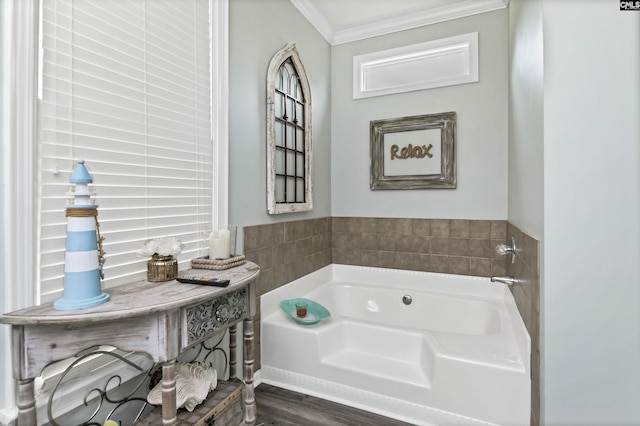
(82, 260)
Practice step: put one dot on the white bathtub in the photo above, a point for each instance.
(457, 355)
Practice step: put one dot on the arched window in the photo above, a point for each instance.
(288, 134)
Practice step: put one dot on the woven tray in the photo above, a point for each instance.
(217, 264)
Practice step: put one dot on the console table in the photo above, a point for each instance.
(161, 319)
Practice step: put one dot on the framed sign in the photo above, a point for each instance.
(415, 152)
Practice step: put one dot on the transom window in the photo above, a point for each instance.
(288, 134)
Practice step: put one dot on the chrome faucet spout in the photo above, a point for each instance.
(505, 280)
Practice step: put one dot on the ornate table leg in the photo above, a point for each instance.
(169, 411)
(26, 403)
(233, 330)
(249, 396)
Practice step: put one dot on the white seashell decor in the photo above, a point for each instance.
(193, 383)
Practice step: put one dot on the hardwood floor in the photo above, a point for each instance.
(281, 407)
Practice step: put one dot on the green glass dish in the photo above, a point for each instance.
(315, 311)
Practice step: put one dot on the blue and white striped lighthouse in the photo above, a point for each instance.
(82, 260)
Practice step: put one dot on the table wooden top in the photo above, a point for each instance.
(139, 298)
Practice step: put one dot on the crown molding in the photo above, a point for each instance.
(401, 23)
(316, 18)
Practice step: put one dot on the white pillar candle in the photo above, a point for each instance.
(219, 244)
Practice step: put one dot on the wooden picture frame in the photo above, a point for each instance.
(416, 152)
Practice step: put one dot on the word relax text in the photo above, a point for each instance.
(411, 151)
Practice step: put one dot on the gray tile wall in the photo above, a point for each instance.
(451, 246)
(527, 297)
(285, 251)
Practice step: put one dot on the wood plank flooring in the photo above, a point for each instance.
(281, 407)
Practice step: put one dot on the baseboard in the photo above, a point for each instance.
(8, 416)
(257, 378)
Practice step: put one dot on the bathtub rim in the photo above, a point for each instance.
(439, 283)
(311, 385)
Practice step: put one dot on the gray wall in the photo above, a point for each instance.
(591, 298)
(481, 129)
(574, 183)
(257, 30)
(526, 123)
(4, 329)
(526, 171)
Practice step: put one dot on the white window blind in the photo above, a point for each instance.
(125, 86)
